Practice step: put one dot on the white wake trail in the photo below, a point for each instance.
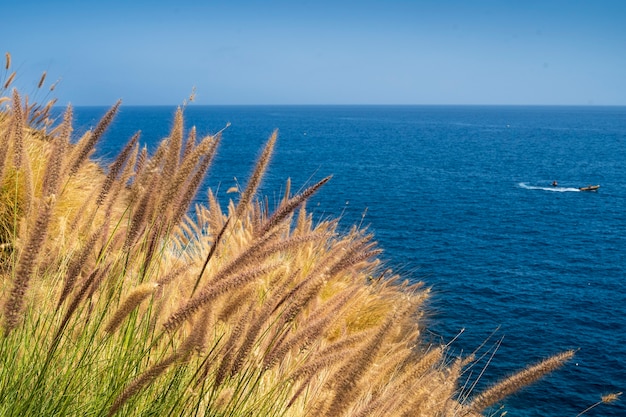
(553, 189)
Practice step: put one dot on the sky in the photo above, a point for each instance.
(484, 52)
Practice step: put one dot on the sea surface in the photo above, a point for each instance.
(460, 197)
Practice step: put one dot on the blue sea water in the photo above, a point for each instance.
(460, 197)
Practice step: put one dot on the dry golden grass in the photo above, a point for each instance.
(234, 310)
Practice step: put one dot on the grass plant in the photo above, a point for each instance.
(115, 301)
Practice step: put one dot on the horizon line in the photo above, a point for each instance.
(191, 104)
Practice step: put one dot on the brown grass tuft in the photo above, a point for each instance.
(9, 80)
(517, 381)
(136, 297)
(54, 166)
(255, 178)
(116, 167)
(210, 292)
(604, 399)
(141, 382)
(26, 264)
(18, 130)
(86, 145)
(76, 267)
(41, 80)
(290, 205)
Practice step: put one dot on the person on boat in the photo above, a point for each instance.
(554, 183)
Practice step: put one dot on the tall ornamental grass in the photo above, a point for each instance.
(115, 300)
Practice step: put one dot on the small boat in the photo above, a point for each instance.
(590, 188)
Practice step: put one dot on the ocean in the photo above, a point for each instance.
(459, 197)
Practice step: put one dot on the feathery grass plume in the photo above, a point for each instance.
(610, 398)
(172, 157)
(361, 254)
(332, 356)
(304, 290)
(174, 273)
(9, 80)
(257, 175)
(258, 211)
(5, 140)
(380, 405)
(171, 276)
(64, 129)
(338, 349)
(54, 165)
(131, 164)
(440, 396)
(227, 310)
(184, 184)
(148, 169)
(197, 338)
(287, 192)
(149, 239)
(41, 80)
(26, 264)
(426, 361)
(230, 347)
(299, 300)
(262, 248)
(186, 230)
(289, 206)
(141, 161)
(141, 211)
(212, 291)
(259, 320)
(127, 173)
(517, 381)
(153, 241)
(194, 340)
(400, 393)
(308, 287)
(88, 285)
(28, 188)
(141, 382)
(54, 85)
(76, 266)
(42, 118)
(109, 242)
(243, 259)
(211, 357)
(287, 243)
(83, 218)
(136, 297)
(605, 399)
(116, 167)
(348, 376)
(213, 217)
(312, 329)
(85, 146)
(190, 143)
(18, 130)
(7, 58)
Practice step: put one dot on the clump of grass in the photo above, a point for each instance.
(116, 301)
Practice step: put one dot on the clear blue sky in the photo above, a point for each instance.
(321, 51)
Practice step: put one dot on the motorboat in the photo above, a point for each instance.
(590, 188)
